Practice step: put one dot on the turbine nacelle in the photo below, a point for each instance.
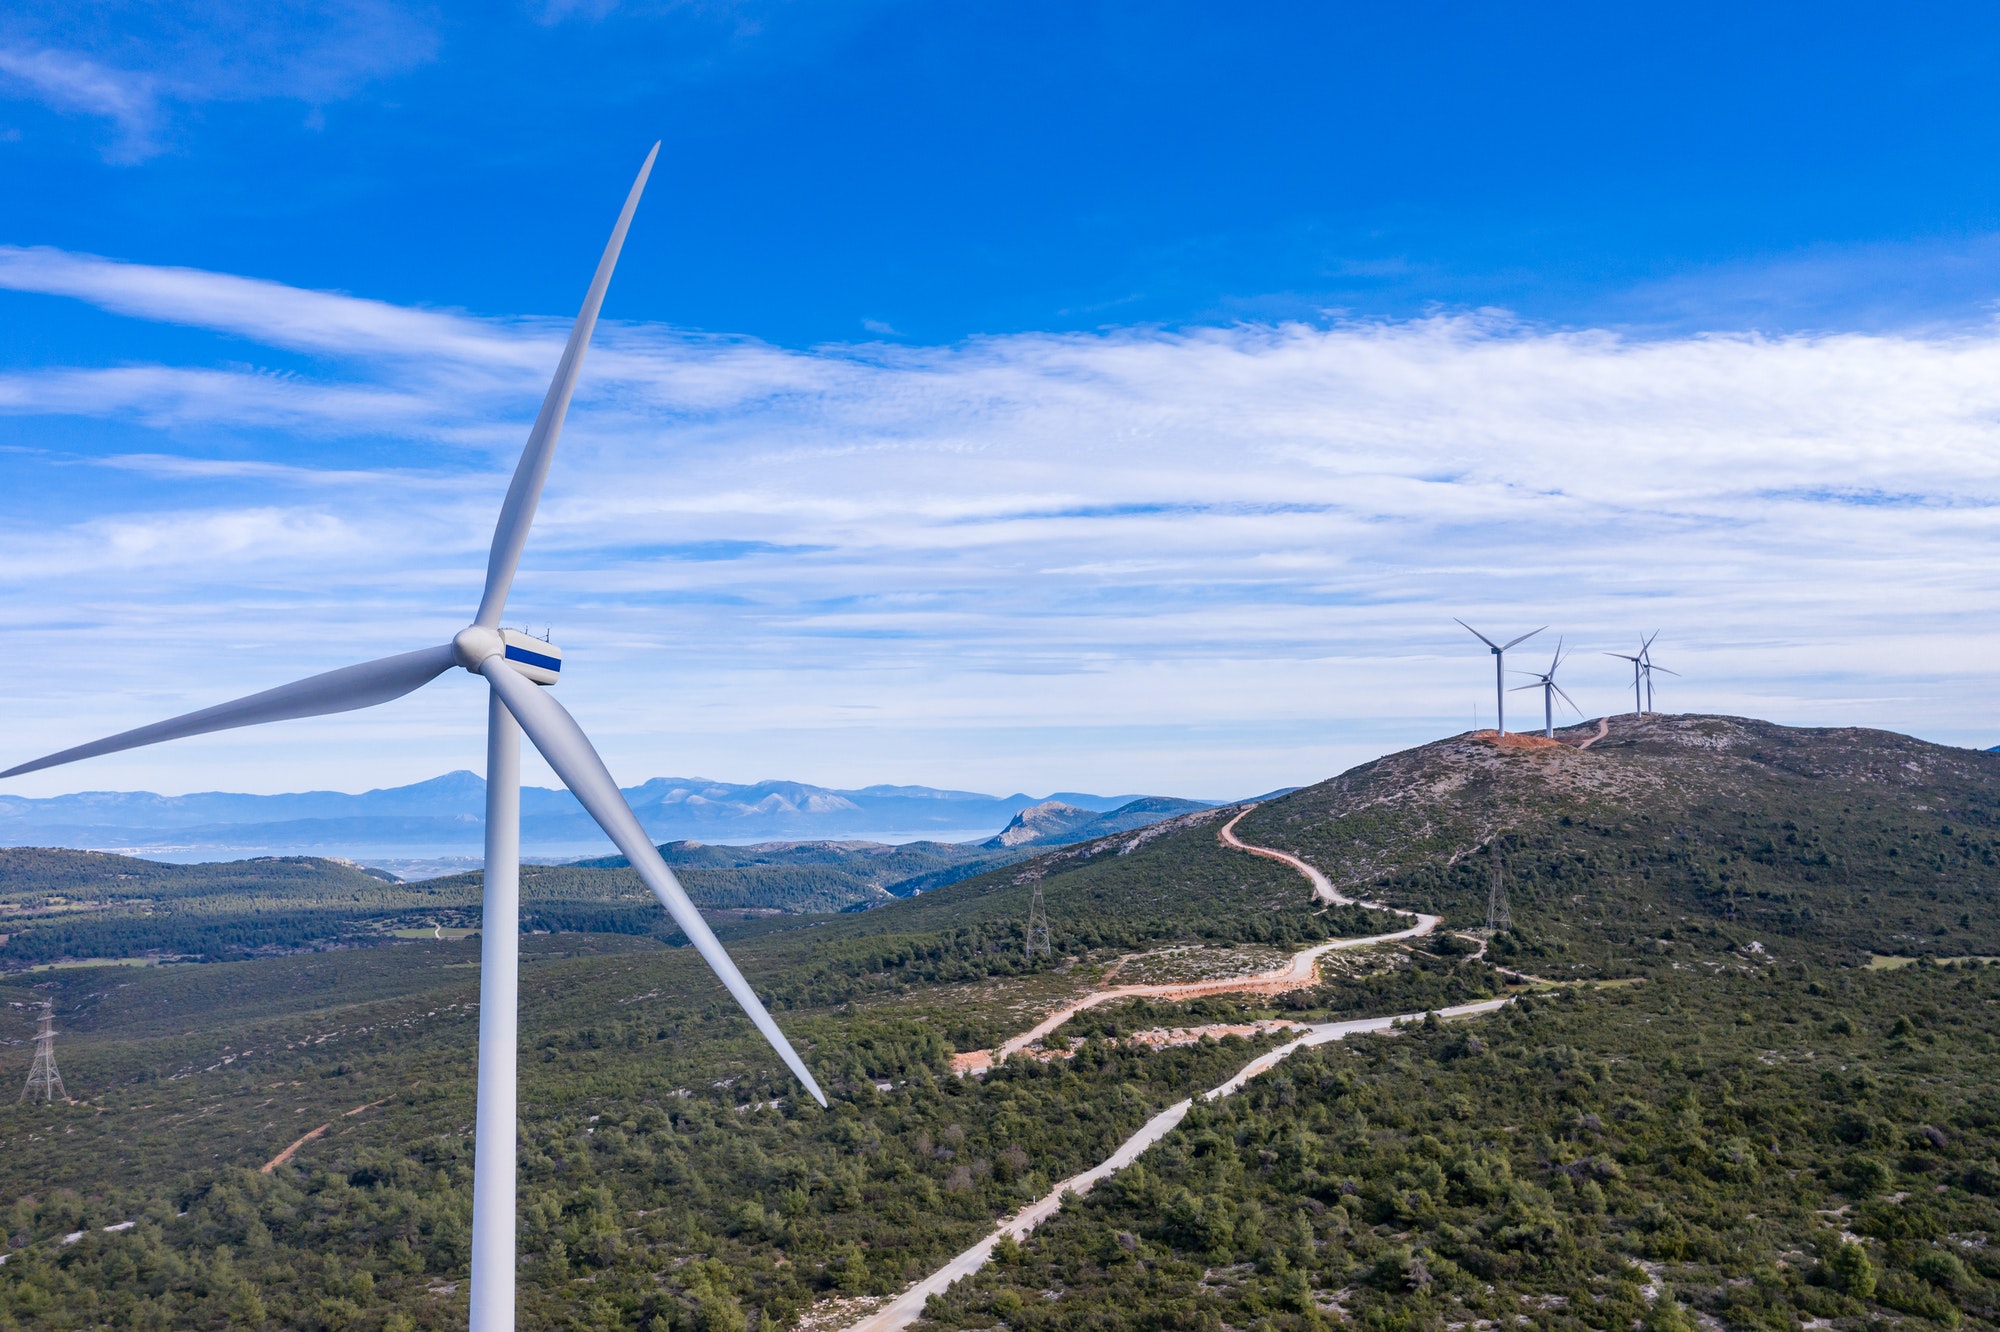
(536, 658)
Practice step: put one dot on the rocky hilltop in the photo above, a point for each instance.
(1828, 833)
(1053, 822)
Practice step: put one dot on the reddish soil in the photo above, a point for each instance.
(1514, 740)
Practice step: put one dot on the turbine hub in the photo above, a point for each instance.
(473, 644)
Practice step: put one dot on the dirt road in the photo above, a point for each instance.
(907, 1307)
(1301, 972)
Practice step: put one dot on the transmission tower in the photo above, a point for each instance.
(43, 1078)
(1038, 925)
(1497, 918)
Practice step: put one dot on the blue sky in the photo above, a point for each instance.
(1010, 397)
(951, 170)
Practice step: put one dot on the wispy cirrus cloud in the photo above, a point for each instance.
(1236, 549)
(165, 396)
(73, 83)
(132, 64)
(271, 313)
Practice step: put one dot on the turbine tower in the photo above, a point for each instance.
(1546, 682)
(1499, 671)
(1642, 670)
(1638, 698)
(1647, 667)
(44, 1080)
(517, 670)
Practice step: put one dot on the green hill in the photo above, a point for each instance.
(1691, 1146)
(1819, 844)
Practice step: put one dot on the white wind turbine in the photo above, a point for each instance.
(1642, 673)
(1647, 666)
(516, 668)
(1499, 670)
(1546, 682)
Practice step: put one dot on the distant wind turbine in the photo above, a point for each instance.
(1499, 670)
(1642, 669)
(515, 667)
(1546, 682)
(1637, 707)
(1647, 667)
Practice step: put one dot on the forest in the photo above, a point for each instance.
(1765, 1149)
(60, 905)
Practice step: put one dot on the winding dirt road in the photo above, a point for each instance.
(1302, 971)
(907, 1307)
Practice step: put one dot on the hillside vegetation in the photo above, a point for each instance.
(1762, 1130)
(60, 905)
(1828, 844)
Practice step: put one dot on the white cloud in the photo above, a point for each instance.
(70, 82)
(1210, 561)
(165, 396)
(268, 312)
(128, 62)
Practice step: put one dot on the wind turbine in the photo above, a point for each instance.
(1647, 667)
(517, 669)
(1546, 682)
(1642, 667)
(1499, 670)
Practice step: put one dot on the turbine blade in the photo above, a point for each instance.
(1476, 634)
(517, 515)
(344, 690)
(563, 743)
(1650, 668)
(1566, 698)
(1522, 639)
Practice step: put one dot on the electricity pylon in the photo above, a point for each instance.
(1038, 925)
(43, 1077)
(1497, 918)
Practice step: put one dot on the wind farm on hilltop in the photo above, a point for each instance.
(997, 846)
(1643, 668)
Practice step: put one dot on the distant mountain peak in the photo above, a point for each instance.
(1051, 818)
(1053, 821)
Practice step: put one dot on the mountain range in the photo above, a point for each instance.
(443, 818)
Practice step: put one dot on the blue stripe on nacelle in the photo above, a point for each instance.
(521, 654)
